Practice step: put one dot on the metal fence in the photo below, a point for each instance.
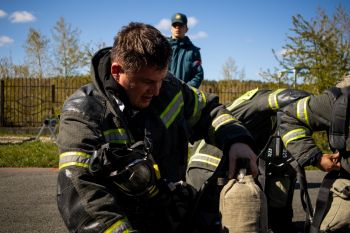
(28, 102)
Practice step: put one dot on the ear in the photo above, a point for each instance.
(116, 70)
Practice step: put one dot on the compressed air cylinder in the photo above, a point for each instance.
(243, 206)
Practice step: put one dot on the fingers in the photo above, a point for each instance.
(232, 168)
(241, 150)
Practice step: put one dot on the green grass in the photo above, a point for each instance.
(29, 154)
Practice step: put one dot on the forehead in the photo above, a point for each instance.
(150, 74)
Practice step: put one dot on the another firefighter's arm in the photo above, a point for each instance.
(87, 203)
(298, 122)
(220, 128)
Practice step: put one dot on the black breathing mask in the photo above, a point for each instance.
(132, 169)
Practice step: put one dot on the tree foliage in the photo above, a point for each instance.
(68, 54)
(37, 52)
(318, 51)
(230, 70)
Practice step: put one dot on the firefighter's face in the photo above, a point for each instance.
(141, 86)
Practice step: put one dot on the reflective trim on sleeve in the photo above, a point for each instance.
(172, 110)
(273, 101)
(222, 120)
(293, 135)
(302, 110)
(121, 226)
(118, 136)
(199, 103)
(206, 159)
(246, 96)
(74, 158)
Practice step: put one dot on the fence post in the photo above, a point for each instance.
(53, 100)
(2, 102)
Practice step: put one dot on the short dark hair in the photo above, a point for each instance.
(140, 45)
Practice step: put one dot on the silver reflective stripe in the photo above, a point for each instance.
(199, 103)
(246, 96)
(118, 136)
(74, 158)
(273, 102)
(205, 158)
(222, 120)
(302, 110)
(172, 110)
(294, 135)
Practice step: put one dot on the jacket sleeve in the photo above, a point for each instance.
(298, 122)
(210, 120)
(86, 203)
(197, 72)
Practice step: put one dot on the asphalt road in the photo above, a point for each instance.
(28, 200)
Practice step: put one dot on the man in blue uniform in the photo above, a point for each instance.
(186, 62)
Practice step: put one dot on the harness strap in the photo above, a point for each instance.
(322, 201)
(304, 194)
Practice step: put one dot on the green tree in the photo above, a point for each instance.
(230, 70)
(68, 54)
(37, 52)
(6, 67)
(89, 50)
(276, 76)
(21, 71)
(318, 51)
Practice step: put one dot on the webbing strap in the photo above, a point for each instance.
(304, 194)
(322, 201)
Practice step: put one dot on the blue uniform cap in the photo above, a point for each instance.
(179, 18)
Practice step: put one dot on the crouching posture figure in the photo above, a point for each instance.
(124, 140)
(327, 112)
(257, 110)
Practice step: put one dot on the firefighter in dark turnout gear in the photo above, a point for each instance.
(327, 112)
(256, 109)
(123, 140)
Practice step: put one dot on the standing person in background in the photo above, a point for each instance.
(186, 62)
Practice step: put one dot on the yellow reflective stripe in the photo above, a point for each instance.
(293, 135)
(156, 169)
(222, 120)
(302, 110)
(172, 110)
(201, 144)
(74, 158)
(195, 108)
(122, 224)
(205, 158)
(73, 164)
(154, 191)
(246, 96)
(116, 136)
(273, 102)
(199, 103)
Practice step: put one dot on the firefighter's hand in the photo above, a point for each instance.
(329, 162)
(241, 150)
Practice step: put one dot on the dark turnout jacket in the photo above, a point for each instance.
(90, 118)
(256, 109)
(311, 114)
